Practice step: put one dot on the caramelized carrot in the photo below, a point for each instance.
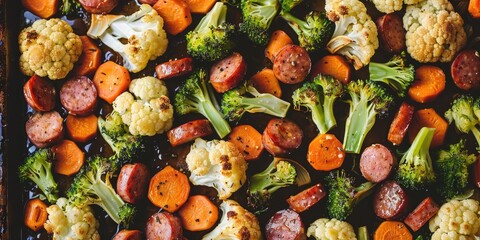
(428, 118)
(474, 8)
(200, 6)
(392, 230)
(333, 65)
(325, 152)
(90, 59)
(175, 14)
(198, 213)
(81, 129)
(111, 80)
(69, 158)
(169, 189)
(248, 141)
(400, 123)
(278, 40)
(43, 9)
(266, 82)
(429, 83)
(35, 214)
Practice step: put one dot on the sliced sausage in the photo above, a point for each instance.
(306, 198)
(79, 96)
(128, 235)
(421, 214)
(284, 133)
(39, 93)
(376, 163)
(391, 32)
(189, 131)
(99, 6)
(174, 68)
(292, 64)
(44, 128)
(132, 182)
(271, 147)
(164, 226)
(400, 123)
(465, 70)
(228, 72)
(390, 201)
(285, 225)
(151, 2)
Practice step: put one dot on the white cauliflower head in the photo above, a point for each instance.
(217, 164)
(332, 229)
(355, 35)
(146, 109)
(70, 222)
(434, 31)
(236, 223)
(456, 220)
(388, 6)
(49, 48)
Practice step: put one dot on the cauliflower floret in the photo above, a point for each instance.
(49, 48)
(217, 164)
(331, 229)
(434, 31)
(388, 6)
(456, 220)
(70, 222)
(236, 223)
(146, 109)
(355, 34)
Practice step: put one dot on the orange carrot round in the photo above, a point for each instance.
(392, 230)
(429, 83)
(169, 189)
(35, 214)
(198, 213)
(44, 9)
(176, 15)
(325, 152)
(69, 158)
(428, 118)
(111, 80)
(81, 129)
(248, 141)
(266, 82)
(335, 66)
(278, 40)
(474, 8)
(200, 6)
(90, 59)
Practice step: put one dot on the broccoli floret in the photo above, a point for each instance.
(92, 186)
(395, 73)
(415, 169)
(211, 39)
(465, 113)
(343, 196)
(319, 96)
(38, 168)
(368, 100)
(452, 170)
(195, 95)
(263, 184)
(234, 3)
(243, 99)
(69, 6)
(314, 32)
(288, 5)
(258, 15)
(126, 146)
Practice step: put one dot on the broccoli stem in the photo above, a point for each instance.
(476, 134)
(363, 233)
(419, 150)
(297, 24)
(215, 17)
(318, 117)
(110, 201)
(208, 110)
(359, 122)
(329, 116)
(266, 103)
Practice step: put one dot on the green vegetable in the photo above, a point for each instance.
(288, 5)
(258, 15)
(363, 233)
(70, 6)
(38, 168)
(465, 113)
(395, 73)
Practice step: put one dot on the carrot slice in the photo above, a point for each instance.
(248, 141)
(81, 129)
(392, 230)
(325, 152)
(429, 83)
(176, 15)
(35, 214)
(278, 40)
(69, 157)
(200, 6)
(335, 66)
(43, 9)
(474, 8)
(266, 82)
(169, 189)
(90, 59)
(428, 118)
(111, 80)
(198, 213)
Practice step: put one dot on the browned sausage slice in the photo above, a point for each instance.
(465, 70)
(284, 133)
(422, 213)
(132, 182)
(151, 2)
(128, 235)
(189, 131)
(391, 32)
(390, 201)
(164, 226)
(39, 93)
(271, 147)
(376, 163)
(400, 123)
(44, 128)
(174, 68)
(306, 198)
(285, 225)
(79, 96)
(98, 6)
(228, 72)
(292, 64)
